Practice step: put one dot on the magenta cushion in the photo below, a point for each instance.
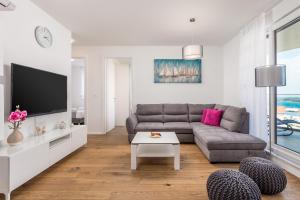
(213, 117)
(204, 115)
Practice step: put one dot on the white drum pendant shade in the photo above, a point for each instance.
(192, 52)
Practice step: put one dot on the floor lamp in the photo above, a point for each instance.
(270, 76)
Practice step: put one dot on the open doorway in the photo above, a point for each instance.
(78, 91)
(118, 92)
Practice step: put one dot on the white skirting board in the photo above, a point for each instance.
(287, 165)
(96, 133)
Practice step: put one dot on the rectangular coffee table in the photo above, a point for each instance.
(167, 145)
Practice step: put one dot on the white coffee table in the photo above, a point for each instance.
(167, 145)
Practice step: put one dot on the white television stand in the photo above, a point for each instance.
(23, 162)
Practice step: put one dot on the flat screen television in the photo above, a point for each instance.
(39, 92)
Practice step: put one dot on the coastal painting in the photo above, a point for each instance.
(177, 71)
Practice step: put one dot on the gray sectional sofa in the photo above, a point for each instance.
(230, 142)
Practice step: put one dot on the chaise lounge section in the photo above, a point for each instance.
(230, 142)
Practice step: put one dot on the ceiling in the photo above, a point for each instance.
(153, 22)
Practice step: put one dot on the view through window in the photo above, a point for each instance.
(288, 97)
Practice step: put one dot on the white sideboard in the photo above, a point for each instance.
(21, 163)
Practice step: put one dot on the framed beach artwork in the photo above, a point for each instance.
(177, 71)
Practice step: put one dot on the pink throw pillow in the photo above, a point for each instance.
(213, 117)
(204, 115)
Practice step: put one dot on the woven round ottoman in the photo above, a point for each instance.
(269, 177)
(227, 184)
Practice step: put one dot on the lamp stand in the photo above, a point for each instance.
(271, 120)
(271, 76)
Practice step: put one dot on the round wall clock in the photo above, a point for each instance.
(43, 36)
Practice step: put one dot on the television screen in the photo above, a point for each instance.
(39, 92)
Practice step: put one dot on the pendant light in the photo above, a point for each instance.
(194, 51)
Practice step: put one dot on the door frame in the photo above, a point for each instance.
(106, 86)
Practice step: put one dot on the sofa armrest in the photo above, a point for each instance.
(131, 123)
(245, 123)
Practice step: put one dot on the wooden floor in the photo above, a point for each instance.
(102, 171)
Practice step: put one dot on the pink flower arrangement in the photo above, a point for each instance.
(17, 117)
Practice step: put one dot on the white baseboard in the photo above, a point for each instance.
(96, 133)
(287, 165)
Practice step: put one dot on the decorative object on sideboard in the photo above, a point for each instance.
(194, 51)
(43, 36)
(270, 76)
(177, 71)
(40, 130)
(16, 119)
(62, 125)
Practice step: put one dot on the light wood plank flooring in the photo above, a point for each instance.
(101, 171)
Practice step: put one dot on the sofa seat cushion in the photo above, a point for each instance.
(178, 127)
(198, 124)
(217, 138)
(149, 126)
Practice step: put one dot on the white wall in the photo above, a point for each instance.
(231, 72)
(144, 90)
(20, 47)
(231, 54)
(122, 93)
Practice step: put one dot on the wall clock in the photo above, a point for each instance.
(43, 36)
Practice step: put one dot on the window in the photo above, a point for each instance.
(287, 49)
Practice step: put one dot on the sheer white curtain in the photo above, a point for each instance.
(253, 54)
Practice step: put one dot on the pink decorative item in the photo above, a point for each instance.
(213, 117)
(16, 119)
(204, 115)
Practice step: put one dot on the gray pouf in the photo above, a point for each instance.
(269, 177)
(227, 184)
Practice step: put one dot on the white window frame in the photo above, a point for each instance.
(290, 157)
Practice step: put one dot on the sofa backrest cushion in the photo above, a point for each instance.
(245, 123)
(175, 113)
(149, 112)
(196, 111)
(233, 118)
(220, 107)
